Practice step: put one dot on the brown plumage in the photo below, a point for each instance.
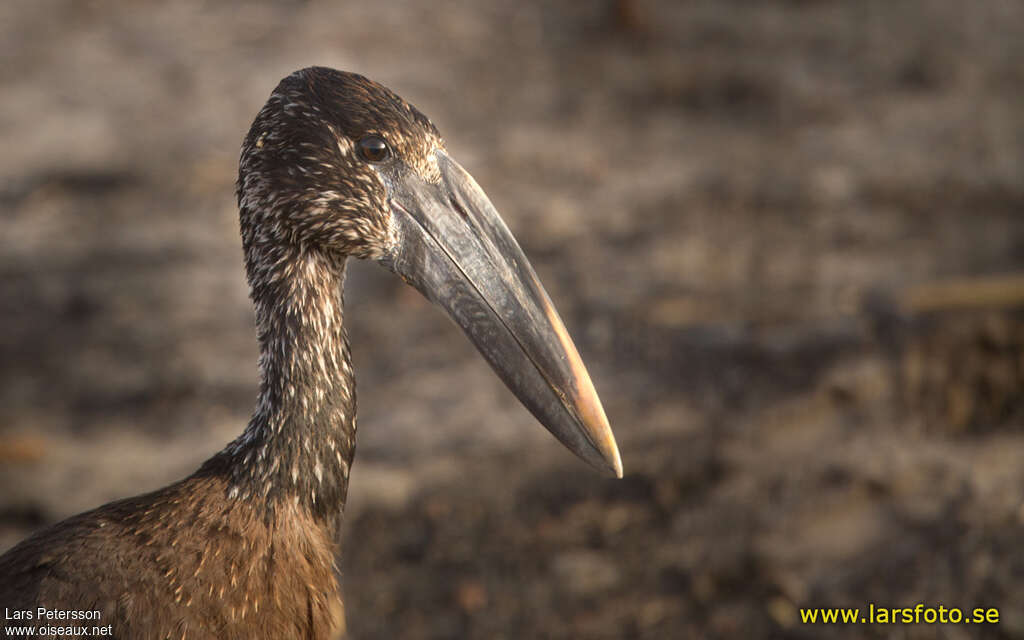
(245, 547)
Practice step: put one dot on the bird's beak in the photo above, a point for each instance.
(451, 245)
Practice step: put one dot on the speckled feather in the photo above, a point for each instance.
(246, 546)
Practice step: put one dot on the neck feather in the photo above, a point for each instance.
(300, 441)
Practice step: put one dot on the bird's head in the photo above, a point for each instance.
(338, 164)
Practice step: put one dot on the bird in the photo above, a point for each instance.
(334, 166)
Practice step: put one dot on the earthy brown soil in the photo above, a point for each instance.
(751, 214)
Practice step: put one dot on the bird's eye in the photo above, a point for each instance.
(374, 149)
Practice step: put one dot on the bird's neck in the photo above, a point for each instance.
(300, 441)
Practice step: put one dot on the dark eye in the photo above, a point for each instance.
(374, 149)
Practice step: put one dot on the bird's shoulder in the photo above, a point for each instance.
(181, 558)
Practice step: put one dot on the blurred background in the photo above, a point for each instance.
(787, 236)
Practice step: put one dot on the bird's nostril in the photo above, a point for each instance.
(457, 206)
